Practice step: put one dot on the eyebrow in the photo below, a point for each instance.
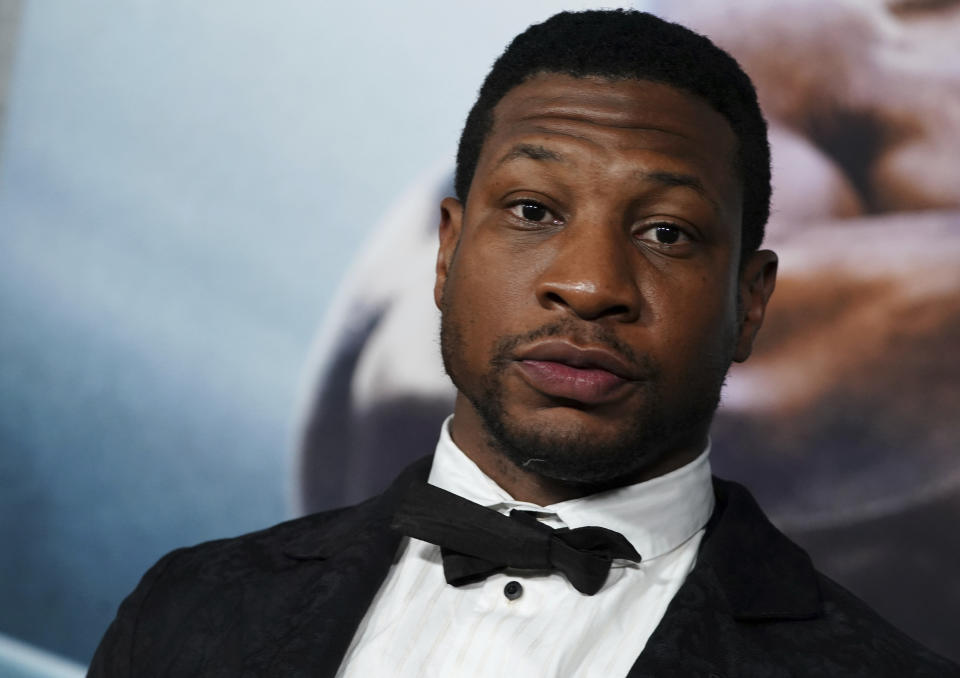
(530, 151)
(662, 177)
(671, 179)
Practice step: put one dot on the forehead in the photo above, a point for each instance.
(609, 121)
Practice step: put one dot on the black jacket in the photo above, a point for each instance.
(286, 601)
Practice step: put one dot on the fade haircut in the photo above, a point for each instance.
(632, 45)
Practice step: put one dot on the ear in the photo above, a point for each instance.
(451, 219)
(758, 277)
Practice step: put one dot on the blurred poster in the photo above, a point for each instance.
(844, 422)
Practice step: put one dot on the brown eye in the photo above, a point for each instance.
(529, 210)
(664, 235)
(533, 211)
(667, 235)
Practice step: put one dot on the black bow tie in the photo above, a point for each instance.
(477, 542)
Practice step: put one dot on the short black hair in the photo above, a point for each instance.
(628, 44)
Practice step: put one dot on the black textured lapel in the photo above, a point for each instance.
(747, 574)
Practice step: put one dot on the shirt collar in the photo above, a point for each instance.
(656, 516)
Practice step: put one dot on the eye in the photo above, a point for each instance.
(531, 210)
(664, 234)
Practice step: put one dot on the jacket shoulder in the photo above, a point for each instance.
(861, 635)
(220, 596)
(787, 611)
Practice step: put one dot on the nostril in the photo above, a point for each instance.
(554, 298)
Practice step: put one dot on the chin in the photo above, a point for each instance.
(573, 446)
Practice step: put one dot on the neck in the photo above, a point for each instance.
(471, 437)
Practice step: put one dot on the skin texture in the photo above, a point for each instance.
(591, 289)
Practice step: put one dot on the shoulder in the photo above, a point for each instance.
(788, 612)
(225, 603)
(271, 550)
(218, 607)
(193, 597)
(256, 553)
(856, 631)
(847, 638)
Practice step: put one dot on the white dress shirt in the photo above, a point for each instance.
(418, 625)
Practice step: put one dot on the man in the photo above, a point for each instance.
(597, 274)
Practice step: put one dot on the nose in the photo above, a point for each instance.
(592, 275)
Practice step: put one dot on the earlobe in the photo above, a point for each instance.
(451, 219)
(758, 277)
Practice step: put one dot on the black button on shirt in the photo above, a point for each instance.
(513, 590)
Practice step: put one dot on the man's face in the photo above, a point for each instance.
(589, 288)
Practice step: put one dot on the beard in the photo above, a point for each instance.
(644, 438)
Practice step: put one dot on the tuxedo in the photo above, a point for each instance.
(286, 601)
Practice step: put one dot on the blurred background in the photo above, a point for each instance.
(216, 237)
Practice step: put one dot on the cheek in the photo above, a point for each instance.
(696, 320)
(495, 279)
(479, 299)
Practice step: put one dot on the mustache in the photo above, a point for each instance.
(580, 334)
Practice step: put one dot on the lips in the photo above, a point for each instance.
(588, 375)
